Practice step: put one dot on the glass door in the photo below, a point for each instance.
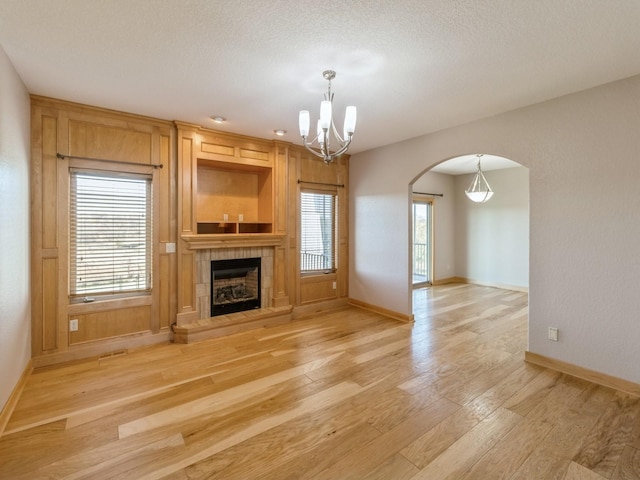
(422, 243)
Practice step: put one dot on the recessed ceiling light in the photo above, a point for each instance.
(218, 119)
(280, 133)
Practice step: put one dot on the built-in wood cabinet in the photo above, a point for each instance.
(227, 200)
(227, 183)
(242, 192)
(233, 198)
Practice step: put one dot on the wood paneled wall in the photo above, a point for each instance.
(100, 139)
(313, 174)
(110, 140)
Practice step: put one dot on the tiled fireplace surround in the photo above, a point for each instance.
(203, 273)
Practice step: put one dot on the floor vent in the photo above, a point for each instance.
(117, 353)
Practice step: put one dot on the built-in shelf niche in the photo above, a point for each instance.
(233, 227)
(234, 198)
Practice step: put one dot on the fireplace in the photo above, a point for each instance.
(235, 285)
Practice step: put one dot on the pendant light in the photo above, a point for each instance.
(320, 143)
(479, 191)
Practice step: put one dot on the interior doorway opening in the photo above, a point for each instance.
(422, 239)
(475, 243)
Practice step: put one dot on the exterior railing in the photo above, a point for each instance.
(314, 261)
(420, 259)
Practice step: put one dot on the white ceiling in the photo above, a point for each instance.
(410, 66)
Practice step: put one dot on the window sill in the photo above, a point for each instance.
(109, 304)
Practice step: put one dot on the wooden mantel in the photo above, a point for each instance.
(203, 242)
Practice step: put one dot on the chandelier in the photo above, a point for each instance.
(320, 144)
(479, 191)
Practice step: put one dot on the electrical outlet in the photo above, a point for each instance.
(241, 218)
(73, 325)
(334, 285)
(553, 334)
(225, 217)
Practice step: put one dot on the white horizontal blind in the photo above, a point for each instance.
(110, 233)
(318, 229)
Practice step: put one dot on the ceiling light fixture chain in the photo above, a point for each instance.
(479, 191)
(320, 144)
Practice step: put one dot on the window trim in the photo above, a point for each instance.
(132, 173)
(334, 237)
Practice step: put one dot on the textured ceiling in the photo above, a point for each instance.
(410, 66)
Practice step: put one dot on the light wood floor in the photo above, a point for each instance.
(343, 395)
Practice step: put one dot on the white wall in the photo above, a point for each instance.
(485, 243)
(444, 217)
(583, 152)
(492, 238)
(15, 307)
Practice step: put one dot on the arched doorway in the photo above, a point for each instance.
(484, 244)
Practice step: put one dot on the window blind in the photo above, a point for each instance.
(318, 231)
(109, 233)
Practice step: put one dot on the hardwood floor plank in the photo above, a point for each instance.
(429, 446)
(533, 393)
(321, 400)
(179, 475)
(629, 465)
(28, 450)
(118, 466)
(358, 464)
(552, 457)
(542, 467)
(396, 406)
(319, 438)
(456, 460)
(433, 442)
(578, 472)
(341, 394)
(510, 452)
(339, 431)
(397, 468)
(159, 399)
(219, 400)
(608, 438)
(381, 351)
(466, 320)
(348, 343)
(560, 397)
(474, 382)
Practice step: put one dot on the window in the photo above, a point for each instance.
(318, 231)
(110, 233)
(422, 240)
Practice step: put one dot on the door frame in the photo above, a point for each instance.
(417, 198)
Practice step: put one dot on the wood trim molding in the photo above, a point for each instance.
(302, 311)
(8, 408)
(445, 281)
(104, 347)
(382, 311)
(583, 373)
(82, 109)
(206, 242)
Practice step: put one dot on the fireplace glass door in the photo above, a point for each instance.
(235, 285)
